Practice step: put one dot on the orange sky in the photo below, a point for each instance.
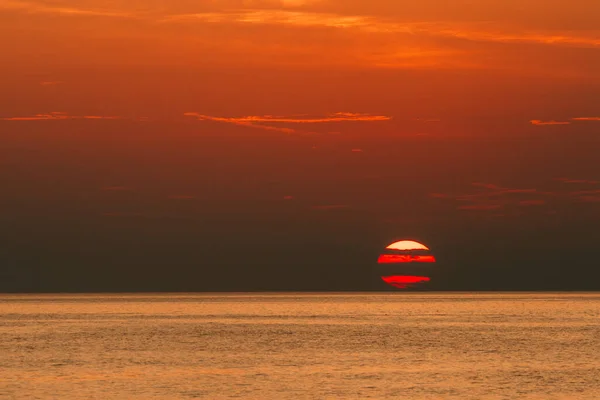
(433, 59)
(411, 117)
(531, 37)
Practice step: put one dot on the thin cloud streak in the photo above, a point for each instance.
(57, 116)
(258, 122)
(586, 119)
(335, 117)
(116, 188)
(481, 207)
(582, 181)
(494, 197)
(552, 122)
(37, 8)
(330, 207)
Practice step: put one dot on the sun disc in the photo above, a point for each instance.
(406, 245)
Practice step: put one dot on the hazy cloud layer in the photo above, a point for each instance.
(491, 197)
(379, 34)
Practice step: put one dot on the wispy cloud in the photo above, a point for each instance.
(590, 198)
(482, 32)
(532, 202)
(552, 122)
(116, 188)
(36, 7)
(57, 116)
(481, 207)
(586, 119)
(335, 117)
(581, 181)
(119, 214)
(329, 207)
(272, 32)
(260, 122)
(491, 197)
(586, 196)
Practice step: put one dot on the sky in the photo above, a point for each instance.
(179, 145)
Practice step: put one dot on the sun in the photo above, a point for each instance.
(405, 264)
(407, 245)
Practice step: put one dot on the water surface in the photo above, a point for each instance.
(300, 346)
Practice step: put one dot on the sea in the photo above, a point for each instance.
(397, 345)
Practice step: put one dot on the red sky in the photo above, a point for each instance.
(397, 119)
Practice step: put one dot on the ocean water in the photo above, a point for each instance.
(300, 346)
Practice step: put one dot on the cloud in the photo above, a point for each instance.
(293, 32)
(539, 122)
(335, 117)
(481, 207)
(116, 188)
(55, 116)
(40, 8)
(532, 202)
(122, 214)
(586, 119)
(590, 199)
(586, 196)
(494, 197)
(288, 197)
(495, 191)
(552, 122)
(480, 32)
(581, 181)
(357, 150)
(586, 192)
(329, 207)
(260, 121)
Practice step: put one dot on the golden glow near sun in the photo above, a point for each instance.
(406, 245)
